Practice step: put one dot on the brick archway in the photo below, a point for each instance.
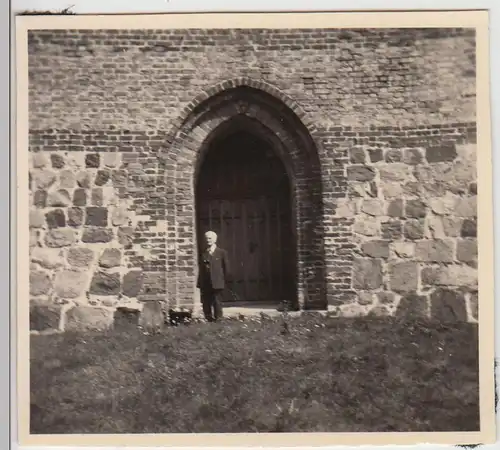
(271, 118)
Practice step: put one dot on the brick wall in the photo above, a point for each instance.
(377, 126)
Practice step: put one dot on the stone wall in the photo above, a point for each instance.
(390, 112)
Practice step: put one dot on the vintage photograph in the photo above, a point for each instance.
(253, 229)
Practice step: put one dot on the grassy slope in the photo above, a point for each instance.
(327, 375)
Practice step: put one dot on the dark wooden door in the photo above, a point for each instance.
(243, 195)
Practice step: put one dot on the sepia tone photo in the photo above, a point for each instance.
(254, 229)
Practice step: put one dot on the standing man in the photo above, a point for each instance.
(214, 267)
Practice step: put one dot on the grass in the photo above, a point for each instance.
(326, 375)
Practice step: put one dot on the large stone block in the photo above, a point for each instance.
(119, 178)
(110, 159)
(375, 155)
(67, 179)
(111, 257)
(397, 172)
(412, 156)
(413, 229)
(392, 229)
(92, 160)
(395, 208)
(357, 155)
(97, 216)
(40, 199)
(403, 249)
(435, 250)
(40, 283)
(379, 311)
(393, 155)
(70, 283)
(465, 207)
(75, 217)
(57, 161)
(48, 258)
(448, 306)
(97, 235)
(105, 284)
(413, 306)
(452, 226)
(43, 179)
(80, 257)
(376, 248)
(444, 205)
(360, 173)
(391, 189)
(45, 317)
(365, 297)
(132, 283)
(453, 276)
(102, 177)
(84, 179)
(88, 318)
(60, 197)
(438, 179)
(37, 219)
(435, 227)
(126, 236)
(80, 197)
(416, 209)
(467, 250)
(97, 197)
(403, 276)
(373, 207)
(55, 218)
(39, 160)
(366, 226)
(120, 216)
(367, 274)
(59, 237)
(343, 208)
(469, 228)
(386, 298)
(443, 153)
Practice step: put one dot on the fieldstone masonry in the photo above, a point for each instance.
(377, 127)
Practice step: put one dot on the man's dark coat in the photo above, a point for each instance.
(214, 269)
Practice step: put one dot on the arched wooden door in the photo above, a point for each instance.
(243, 194)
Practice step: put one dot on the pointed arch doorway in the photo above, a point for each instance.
(244, 194)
